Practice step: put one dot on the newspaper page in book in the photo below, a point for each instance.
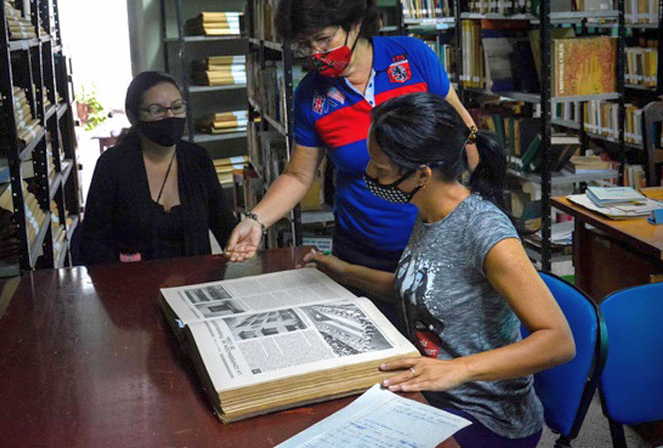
(252, 294)
(278, 333)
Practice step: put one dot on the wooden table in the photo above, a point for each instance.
(87, 360)
(612, 254)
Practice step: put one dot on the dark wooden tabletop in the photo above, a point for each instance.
(87, 360)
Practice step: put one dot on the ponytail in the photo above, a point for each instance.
(487, 179)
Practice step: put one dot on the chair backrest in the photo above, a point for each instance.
(566, 390)
(632, 382)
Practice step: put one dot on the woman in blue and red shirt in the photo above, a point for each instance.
(355, 71)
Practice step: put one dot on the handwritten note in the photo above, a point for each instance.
(380, 419)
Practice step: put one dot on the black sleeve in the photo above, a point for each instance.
(97, 238)
(221, 219)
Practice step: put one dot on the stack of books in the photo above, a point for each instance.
(609, 196)
(220, 70)
(215, 24)
(27, 127)
(588, 164)
(225, 122)
(34, 215)
(226, 166)
(19, 26)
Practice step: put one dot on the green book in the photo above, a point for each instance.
(531, 154)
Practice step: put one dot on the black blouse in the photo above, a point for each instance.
(121, 217)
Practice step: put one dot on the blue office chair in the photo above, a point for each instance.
(567, 390)
(631, 386)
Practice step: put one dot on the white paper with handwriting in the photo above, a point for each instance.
(380, 419)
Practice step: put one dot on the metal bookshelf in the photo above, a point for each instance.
(37, 67)
(181, 68)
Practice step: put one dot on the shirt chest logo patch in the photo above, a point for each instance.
(399, 70)
(319, 104)
(336, 95)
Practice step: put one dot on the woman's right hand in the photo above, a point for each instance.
(244, 240)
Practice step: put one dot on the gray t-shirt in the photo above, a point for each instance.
(441, 270)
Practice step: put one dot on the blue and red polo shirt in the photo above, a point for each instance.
(330, 113)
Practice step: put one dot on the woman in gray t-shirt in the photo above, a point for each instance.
(464, 279)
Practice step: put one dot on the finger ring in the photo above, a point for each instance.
(413, 372)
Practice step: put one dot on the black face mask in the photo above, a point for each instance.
(391, 192)
(164, 132)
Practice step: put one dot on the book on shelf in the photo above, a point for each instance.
(423, 9)
(215, 24)
(641, 66)
(507, 56)
(641, 11)
(588, 164)
(634, 176)
(244, 337)
(584, 66)
(225, 122)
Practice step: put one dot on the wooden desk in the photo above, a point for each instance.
(87, 360)
(613, 254)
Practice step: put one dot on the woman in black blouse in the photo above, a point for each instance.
(153, 195)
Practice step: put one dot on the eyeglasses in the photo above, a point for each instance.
(157, 111)
(304, 48)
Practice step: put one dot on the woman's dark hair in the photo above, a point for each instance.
(300, 19)
(423, 129)
(139, 85)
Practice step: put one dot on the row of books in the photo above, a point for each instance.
(225, 167)
(18, 26)
(641, 66)
(641, 11)
(220, 71)
(263, 19)
(511, 7)
(499, 56)
(214, 24)
(27, 127)
(442, 46)
(225, 122)
(423, 9)
(34, 215)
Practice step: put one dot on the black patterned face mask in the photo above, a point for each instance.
(391, 192)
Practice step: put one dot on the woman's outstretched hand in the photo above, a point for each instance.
(244, 240)
(425, 374)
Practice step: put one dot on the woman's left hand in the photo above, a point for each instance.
(424, 373)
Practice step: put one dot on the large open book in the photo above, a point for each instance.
(274, 341)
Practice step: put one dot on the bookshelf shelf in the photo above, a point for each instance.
(50, 111)
(26, 153)
(71, 228)
(389, 29)
(565, 177)
(36, 245)
(208, 89)
(491, 16)
(535, 98)
(639, 87)
(198, 39)
(61, 259)
(318, 216)
(25, 44)
(62, 108)
(206, 138)
(67, 166)
(566, 123)
(275, 124)
(54, 185)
